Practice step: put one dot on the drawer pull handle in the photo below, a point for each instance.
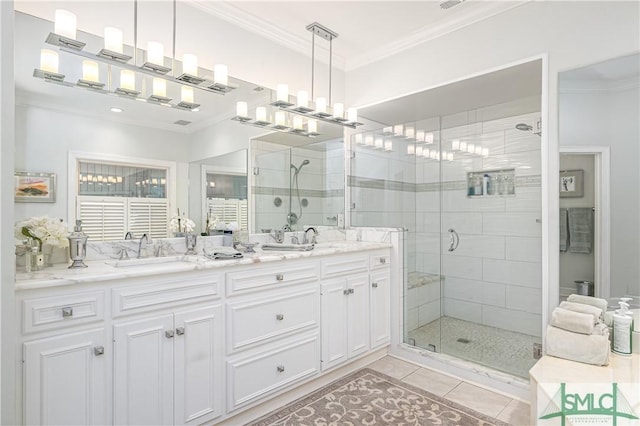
(383, 260)
(374, 285)
(346, 292)
(280, 368)
(279, 277)
(279, 317)
(67, 312)
(351, 291)
(98, 350)
(180, 331)
(168, 334)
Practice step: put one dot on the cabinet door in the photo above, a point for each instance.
(358, 314)
(198, 368)
(380, 308)
(334, 323)
(143, 372)
(65, 380)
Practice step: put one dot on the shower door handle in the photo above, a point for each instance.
(455, 239)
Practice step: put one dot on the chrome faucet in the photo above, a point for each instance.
(305, 239)
(144, 237)
(128, 236)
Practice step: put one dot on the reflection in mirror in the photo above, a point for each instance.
(598, 118)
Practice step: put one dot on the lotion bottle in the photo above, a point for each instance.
(622, 326)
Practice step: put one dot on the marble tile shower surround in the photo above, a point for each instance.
(493, 278)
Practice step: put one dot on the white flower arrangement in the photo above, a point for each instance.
(45, 230)
(181, 224)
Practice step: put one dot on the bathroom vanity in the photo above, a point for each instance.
(191, 340)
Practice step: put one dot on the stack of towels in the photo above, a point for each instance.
(578, 332)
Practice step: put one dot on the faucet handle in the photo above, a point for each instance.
(124, 254)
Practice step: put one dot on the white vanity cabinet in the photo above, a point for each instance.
(380, 312)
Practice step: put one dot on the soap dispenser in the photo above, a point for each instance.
(77, 246)
(622, 326)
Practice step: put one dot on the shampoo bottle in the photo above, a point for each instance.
(622, 326)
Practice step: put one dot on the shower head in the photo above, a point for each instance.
(524, 127)
(297, 169)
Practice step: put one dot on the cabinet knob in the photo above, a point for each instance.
(280, 277)
(168, 334)
(67, 312)
(279, 317)
(280, 368)
(374, 285)
(351, 291)
(346, 292)
(383, 260)
(180, 331)
(98, 350)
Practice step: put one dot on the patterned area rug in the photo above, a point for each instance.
(368, 397)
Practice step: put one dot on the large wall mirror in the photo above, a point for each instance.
(599, 106)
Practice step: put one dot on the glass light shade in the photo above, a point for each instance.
(242, 109)
(358, 138)
(190, 64)
(212, 184)
(463, 146)
(420, 135)
(485, 152)
(426, 153)
(65, 23)
(261, 114)
(119, 179)
(471, 148)
(434, 155)
(444, 155)
(312, 126)
(478, 150)
(368, 140)
(127, 80)
(410, 132)
(159, 87)
(388, 129)
(282, 92)
(455, 144)
(428, 138)
(352, 115)
(281, 118)
(90, 71)
(379, 143)
(113, 39)
(450, 156)
(321, 104)
(411, 149)
(186, 94)
(155, 53)
(221, 74)
(297, 122)
(419, 151)
(49, 60)
(398, 129)
(338, 110)
(303, 99)
(388, 146)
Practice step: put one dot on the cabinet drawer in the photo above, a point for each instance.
(379, 260)
(264, 319)
(143, 298)
(344, 265)
(271, 370)
(62, 311)
(258, 278)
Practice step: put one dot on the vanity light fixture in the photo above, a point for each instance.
(280, 123)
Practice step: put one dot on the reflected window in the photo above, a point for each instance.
(114, 180)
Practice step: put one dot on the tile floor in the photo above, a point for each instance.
(482, 400)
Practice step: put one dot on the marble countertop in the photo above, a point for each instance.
(104, 270)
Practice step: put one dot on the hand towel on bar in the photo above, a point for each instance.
(580, 230)
(572, 321)
(564, 235)
(589, 300)
(594, 311)
(589, 349)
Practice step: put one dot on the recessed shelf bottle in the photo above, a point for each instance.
(491, 183)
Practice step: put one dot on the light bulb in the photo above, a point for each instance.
(282, 93)
(379, 143)
(261, 114)
(312, 126)
(65, 23)
(303, 99)
(155, 53)
(428, 138)
(368, 140)
(410, 132)
(297, 122)
(388, 146)
(321, 105)
(471, 148)
(159, 87)
(419, 150)
(387, 130)
(352, 115)
(450, 156)
(113, 39)
(338, 110)
(49, 60)
(398, 130)
(434, 155)
(420, 135)
(221, 74)
(242, 110)
(127, 80)
(90, 71)
(455, 144)
(190, 64)
(411, 149)
(281, 118)
(426, 153)
(186, 94)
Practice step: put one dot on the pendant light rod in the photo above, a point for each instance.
(135, 33)
(329, 35)
(313, 60)
(330, 66)
(173, 55)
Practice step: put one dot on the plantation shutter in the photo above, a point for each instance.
(148, 216)
(229, 210)
(103, 219)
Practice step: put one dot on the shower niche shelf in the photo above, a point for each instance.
(491, 183)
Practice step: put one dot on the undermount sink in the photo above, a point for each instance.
(287, 247)
(152, 261)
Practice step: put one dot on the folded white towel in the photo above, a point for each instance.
(608, 318)
(588, 349)
(572, 321)
(589, 300)
(584, 309)
(601, 329)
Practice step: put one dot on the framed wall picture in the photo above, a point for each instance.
(571, 183)
(32, 187)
